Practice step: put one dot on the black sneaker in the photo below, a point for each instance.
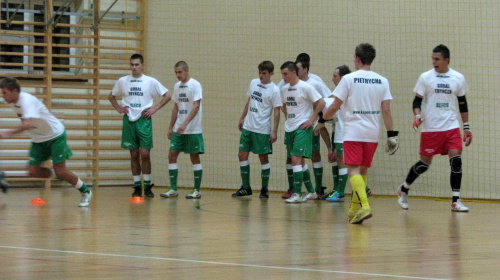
(3, 182)
(242, 192)
(137, 191)
(264, 193)
(148, 192)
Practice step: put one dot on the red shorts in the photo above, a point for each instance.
(439, 142)
(359, 153)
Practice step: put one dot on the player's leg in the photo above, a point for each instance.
(264, 174)
(317, 165)
(453, 146)
(176, 146)
(3, 182)
(289, 168)
(130, 141)
(135, 166)
(243, 154)
(194, 147)
(60, 152)
(342, 177)
(144, 127)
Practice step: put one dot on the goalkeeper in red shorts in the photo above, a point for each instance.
(440, 86)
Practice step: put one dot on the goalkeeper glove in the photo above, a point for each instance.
(418, 120)
(467, 135)
(392, 142)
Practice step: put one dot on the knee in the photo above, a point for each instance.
(420, 167)
(316, 156)
(456, 164)
(145, 155)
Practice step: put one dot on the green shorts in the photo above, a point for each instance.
(299, 143)
(339, 147)
(256, 143)
(187, 143)
(138, 134)
(315, 143)
(57, 148)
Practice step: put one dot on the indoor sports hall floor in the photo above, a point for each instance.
(220, 237)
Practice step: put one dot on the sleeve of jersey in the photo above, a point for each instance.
(160, 90)
(249, 91)
(387, 95)
(326, 92)
(277, 98)
(463, 88)
(420, 87)
(117, 89)
(340, 91)
(198, 92)
(314, 95)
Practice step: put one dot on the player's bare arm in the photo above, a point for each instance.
(276, 122)
(26, 124)
(332, 109)
(173, 119)
(387, 115)
(151, 110)
(318, 107)
(118, 108)
(243, 115)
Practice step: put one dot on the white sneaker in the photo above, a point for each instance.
(194, 195)
(86, 197)
(308, 196)
(459, 207)
(402, 198)
(170, 193)
(295, 198)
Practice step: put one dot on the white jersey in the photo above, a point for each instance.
(440, 91)
(299, 100)
(281, 84)
(45, 125)
(320, 87)
(263, 99)
(336, 121)
(185, 95)
(362, 93)
(137, 93)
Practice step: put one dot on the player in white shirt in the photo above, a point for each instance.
(185, 130)
(301, 105)
(264, 102)
(366, 98)
(303, 73)
(441, 87)
(48, 137)
(137, 91)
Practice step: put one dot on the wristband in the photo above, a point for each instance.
(392, 133)
(466, 126)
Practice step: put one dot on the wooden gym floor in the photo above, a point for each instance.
(220, 237)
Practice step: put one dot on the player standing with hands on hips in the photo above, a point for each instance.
(441, 86)
(137, 91)
(364, 94)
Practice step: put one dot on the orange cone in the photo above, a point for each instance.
(137, 199)
(37, 201)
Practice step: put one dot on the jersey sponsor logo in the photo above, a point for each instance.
(290, 116)
(292, 89)
(252, 109)
(366, 112)
(183, 86)
(443, 88)
(135, 105)
(183, 112)
(136, 81)
(183, 97)
(257, 96)
(443, 105)
(259, 85)
(367, 81)
(127, 144)
(429, 150)
(290, 101)
(135, 91)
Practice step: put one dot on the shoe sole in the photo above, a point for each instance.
(190, 197)
(168, 196)
(463, 211)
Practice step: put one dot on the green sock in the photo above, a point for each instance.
(84, 189)
(198, 174)
(137, 184)
(289, 172)
(147, 183)
(298, 178)
(335, 173)
(343, 177)
(307, 181)
(318, 177)
(173, 173)
(245, 176)
(265, 173)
